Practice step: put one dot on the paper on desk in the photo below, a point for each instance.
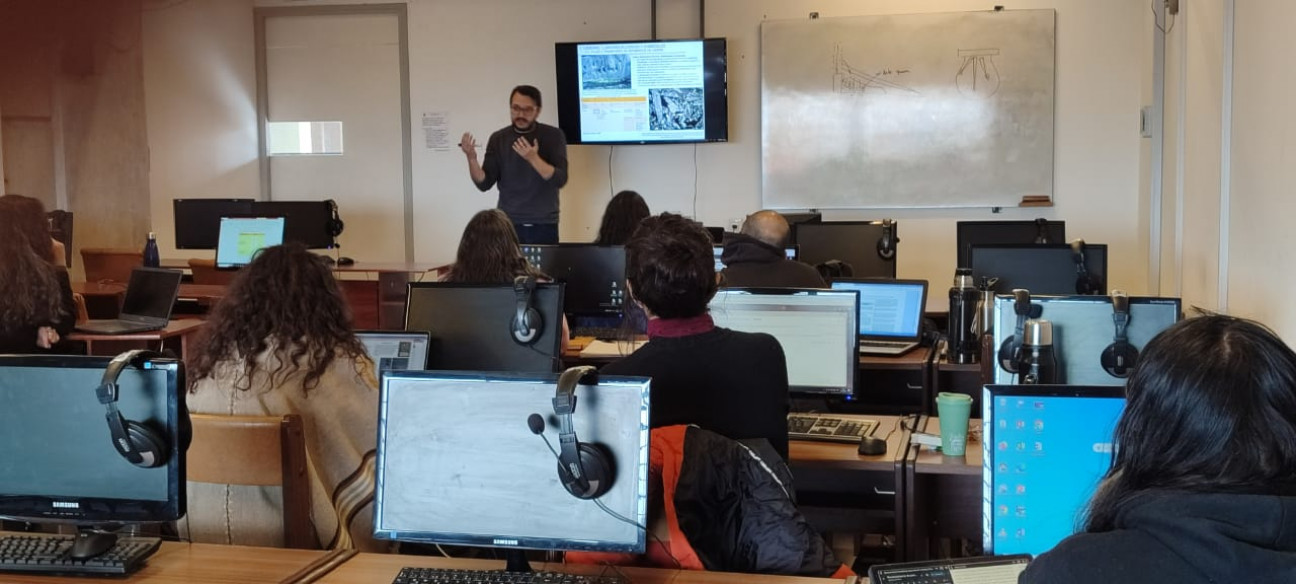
(597, 348)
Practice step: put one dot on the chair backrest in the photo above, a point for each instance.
(61, 229)
(110, 265)
(205, 272)
(259, 451)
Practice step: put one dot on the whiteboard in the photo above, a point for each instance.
(914, 110)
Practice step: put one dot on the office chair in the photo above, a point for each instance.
(110, 265)
(257, 451)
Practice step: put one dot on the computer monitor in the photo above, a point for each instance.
(858, 243)
(472, 326)
(789, 252)
(1045, 448)
(396, 350)
(1039, 231)
(242, 237)
(594, 274)
(458, 462)
(60, 464)
(816, 328)
(306, 222)
(197, 221)
(1040, 268)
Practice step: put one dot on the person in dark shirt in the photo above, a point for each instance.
(528, 160)
(730, 382)
(621, 218)
(1202, 486)
(754, 256)
(36, 306)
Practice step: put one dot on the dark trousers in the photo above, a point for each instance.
(538, 233)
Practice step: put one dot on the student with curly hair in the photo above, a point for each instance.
(621, 218)
(280, 342)
(36, 306)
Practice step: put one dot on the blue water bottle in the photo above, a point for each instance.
(151, 259)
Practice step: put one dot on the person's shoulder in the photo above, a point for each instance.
(551, 131)
(755, 340)
(1114, 557)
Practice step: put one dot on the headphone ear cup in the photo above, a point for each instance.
(527, 330)
(148, 443)
(599, 471)
(1118, 359)
(1008, 354)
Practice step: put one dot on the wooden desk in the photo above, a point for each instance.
(198, 563)
(895, 385)
(382, 568)
(176, 331)
(942, 493)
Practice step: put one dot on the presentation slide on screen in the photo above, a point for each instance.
(641, 92)
(240, 239)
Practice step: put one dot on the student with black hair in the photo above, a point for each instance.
(1203, 480)
(621, 218)
(36, 305)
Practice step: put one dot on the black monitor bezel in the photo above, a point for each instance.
(578, 311)
(193, 236)
(961, 235)
(555, 352)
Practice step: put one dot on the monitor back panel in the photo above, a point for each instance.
(1042, 269)
(855, 243)
(197, 221)
(970, 233)
(471, 326)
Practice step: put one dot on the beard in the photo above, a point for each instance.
(523, 125)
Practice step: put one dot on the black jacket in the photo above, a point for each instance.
(750, 262)
(1181, 538)
(23, 339)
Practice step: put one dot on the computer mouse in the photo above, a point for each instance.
(89, 545)
(345, 261)
(872, 446)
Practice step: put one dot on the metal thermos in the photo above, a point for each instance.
(962, 336)
(986, 309)
(1039, 362)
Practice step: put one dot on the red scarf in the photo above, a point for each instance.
(680, 327)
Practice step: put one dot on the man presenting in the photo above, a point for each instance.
(529, 161)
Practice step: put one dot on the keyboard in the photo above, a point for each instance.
(48, 554)
(443, 576)
(828, 428)
(887, 344)
(598, 332)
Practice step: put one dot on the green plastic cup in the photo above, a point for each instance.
(954, 410)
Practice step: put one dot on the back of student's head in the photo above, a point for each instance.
(287, 300)
(30, 293)
(489, 252)
(26, 216)
(767, 226)
(1211, 407)
(670, 266)
(621, 218)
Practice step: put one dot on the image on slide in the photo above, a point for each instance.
(605, 72)
(676, 109)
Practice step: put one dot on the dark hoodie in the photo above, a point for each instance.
(1181, 538)
(750, 262)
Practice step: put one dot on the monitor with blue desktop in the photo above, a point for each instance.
(463, 459)
(242, 237)
(1045, 449)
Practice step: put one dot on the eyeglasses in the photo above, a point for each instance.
(518, 109)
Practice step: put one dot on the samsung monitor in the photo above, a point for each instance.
(242, 237)
(396, 350)
(789, 252)
(1039, 231)
(473, 327)
(816, 328)
(1044, 450)
(60, 464)
(460, 461)
(1041, 268)
(305, 222)
(594, 274)
(868, 246)
(197, 221)
(642, 92)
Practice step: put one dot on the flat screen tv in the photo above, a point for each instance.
(642, 92)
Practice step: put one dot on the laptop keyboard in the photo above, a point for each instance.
(886, 344)
(829, 428)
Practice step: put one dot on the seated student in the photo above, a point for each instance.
(1203, 481)
(280, 342)
(754, 256)
(489, 253)
(621, 217)
(36, 306)
(732, 383)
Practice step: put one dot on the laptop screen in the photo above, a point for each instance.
(241, 237)
(1045, 449)
(888, 309)
(151, 293)
(396, 350)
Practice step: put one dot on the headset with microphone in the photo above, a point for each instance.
(1010, 352)
(585, 469)
(335, 224)
(886, 245)
(1119, 357)
(527, 323)
(136, 442)
(1086, 284)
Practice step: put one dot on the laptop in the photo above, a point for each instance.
(982, 570)
(890, 313)
(150, 295)
(397, 350)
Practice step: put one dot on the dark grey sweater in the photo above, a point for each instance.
(523, 195)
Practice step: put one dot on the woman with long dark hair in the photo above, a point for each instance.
(280, 342)
(489, 252)
(36, 306)
(1203, 480)
(621, 218)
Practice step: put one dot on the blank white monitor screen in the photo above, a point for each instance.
(241, 237)
(396, 350)
(816, 329)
